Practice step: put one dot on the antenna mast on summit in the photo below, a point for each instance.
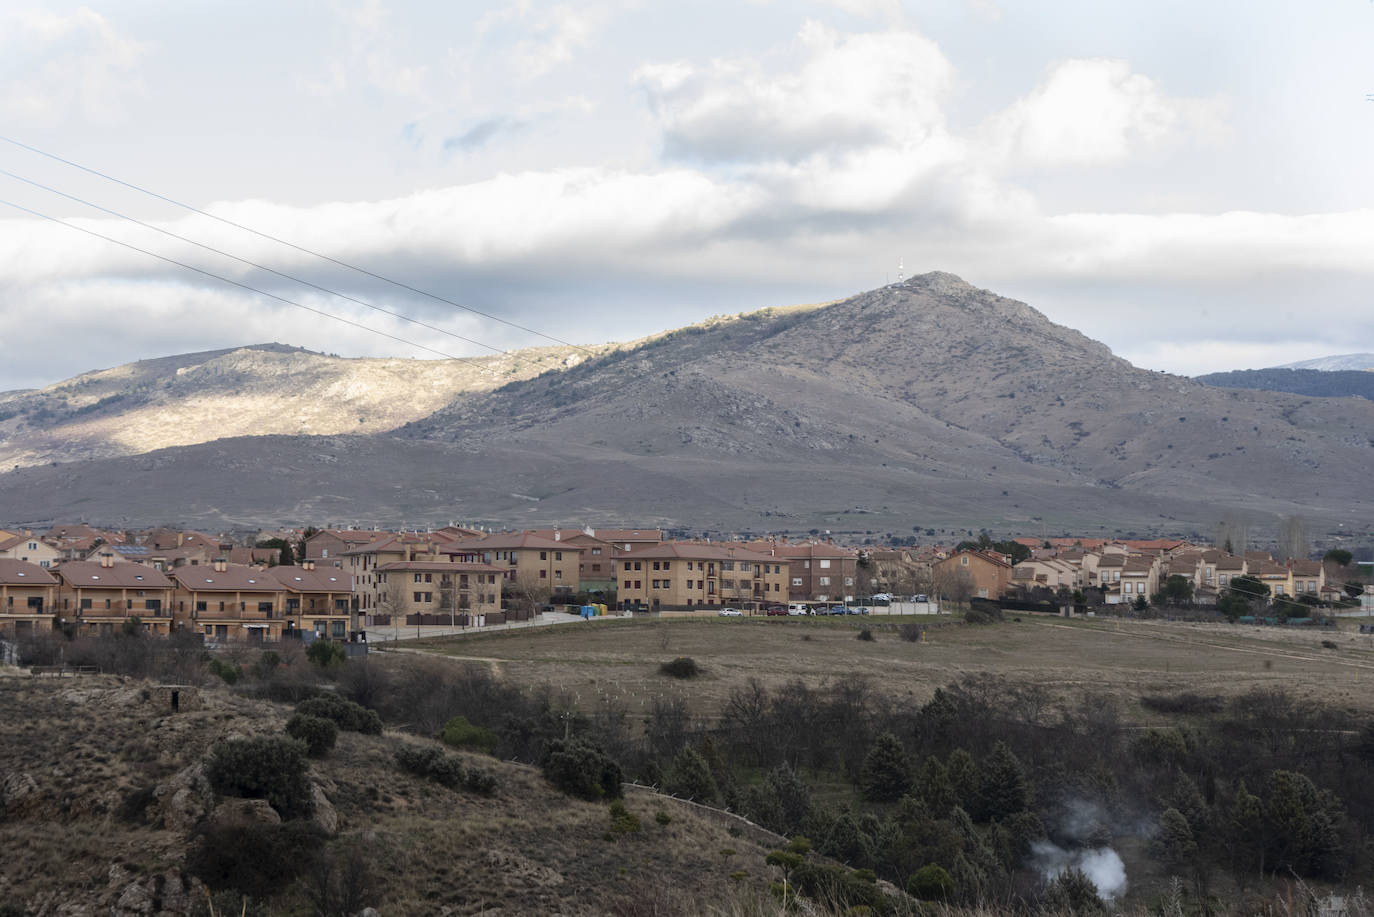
(900, 275)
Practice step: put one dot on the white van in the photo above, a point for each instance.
(798, 609)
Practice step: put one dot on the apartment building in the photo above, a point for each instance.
(230, 602)
(989, 573)
(529, 560)
(318, 599)
(819, 572)
(679, 575)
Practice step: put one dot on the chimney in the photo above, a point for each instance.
(557, 534)
(181, 537)
(221, 564)
(106, 560)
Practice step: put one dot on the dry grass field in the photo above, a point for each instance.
(1120, 658)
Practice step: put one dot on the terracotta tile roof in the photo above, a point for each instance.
(1306, 567)
(233, 578)
(90, 575)
(691, 550)
(439, 566)
(23, 573)
(321, 579)
(515, 541)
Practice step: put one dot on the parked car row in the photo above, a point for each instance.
(798, 611)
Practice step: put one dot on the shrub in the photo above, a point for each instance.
(930, 883)
(1185, 702)
(229, 673)
(345, 714)
(256, 860)
(433, 764)
(581, 769)
(865, 634)
(681, 667)
(318, 733)
(662, 817)
(623, 821)
(326, 654)
(909, 632)
(266, 767)
(459, 733)
(983, 613)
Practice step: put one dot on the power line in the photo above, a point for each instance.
(299, 248)
(248, 287)
(261, 267)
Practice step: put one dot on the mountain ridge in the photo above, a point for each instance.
(930, 401)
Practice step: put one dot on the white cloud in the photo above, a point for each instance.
(1093, 112)
(559, 34)
(849, 92)
(55, 67)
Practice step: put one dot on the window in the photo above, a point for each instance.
(806, 564)
(964, 560)
(596, 568)
(415, 597)
(667, 565)
(637, 565)
(1224, 578)
(638, 584)
(655, 565)
(557, 555)
(796, 581)
(201, 606)
(558, 574)
(627, 584)
(727, 565)
(849, 580)
(543, 574)
(107, 605)
(596, 552)
(417, 578)
(85, 604)
(825, 564)
(543, 555)
(338, 628)
(429, 577)
(825, 581)
(265, 607)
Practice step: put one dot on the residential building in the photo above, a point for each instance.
(31, 549)
(231, 602)
(989, 573)
(28, 596)
(330, 545)
(318, 599)
(680, 575)
(530, 561)
(449, 586)
(819, 571)
(101, 597)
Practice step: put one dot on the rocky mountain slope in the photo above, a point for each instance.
(925, 403)
(247, 391)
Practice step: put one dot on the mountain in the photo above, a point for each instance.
(1358, 362)
(246, 391)
(921, 404)
(1315, 382)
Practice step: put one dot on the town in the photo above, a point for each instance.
(339, 583)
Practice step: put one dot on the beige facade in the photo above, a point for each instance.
(28, 595)
(318, 599)
(440, 587)
(687, 575)
(530, 561)
(102, 597)
(989, 574)
(29, 548)
(230, 602)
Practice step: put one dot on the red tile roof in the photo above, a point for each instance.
(89, 575)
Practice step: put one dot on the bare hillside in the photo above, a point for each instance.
(926, 403)
(250, 391)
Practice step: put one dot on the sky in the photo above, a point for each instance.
(1187, 183)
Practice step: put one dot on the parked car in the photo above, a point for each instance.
(775, 610)
(921, 599)
(881, 597)
(730, 613)
(858, 610)
(798, 609)
(837, 610)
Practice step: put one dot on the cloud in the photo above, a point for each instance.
(55, 67)
(1093, 112)
(558, 35)
(850, 92)
(369, 57)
